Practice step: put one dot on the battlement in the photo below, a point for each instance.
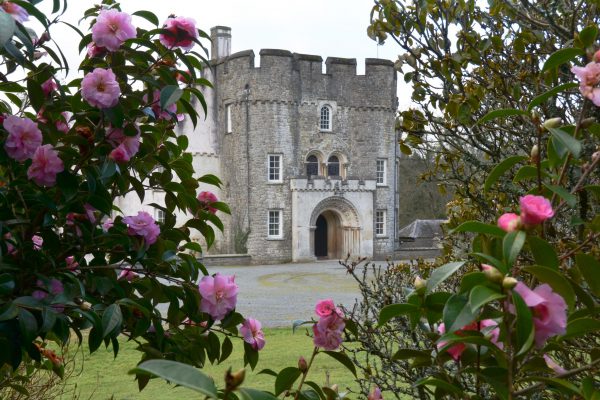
(277, 58)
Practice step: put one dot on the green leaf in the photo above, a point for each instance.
(496, 377)
(588, 35)
(524, 326)
(550, 93)
(593, 189)
(564, 194)
(500, 169)
(560, 57)
(478, 227)
(440, 384)
(395, 310)
(543, 252)
(440, 274)
(111, 319)
(568, 141)
(457, 313)
(169, 95)
(481, 295)
(28, 324)
(511, 246)
(504, 112)
(525, 172)
(147, 15)
(253, 394)
(36, 94)
(557, 383)
(556, 280)
(580, 327)
(7, 27)
(343, 359)
(179, 374)
(407, 354)
(491, 260)
(7, 284)
(285, 379)
(589, 267)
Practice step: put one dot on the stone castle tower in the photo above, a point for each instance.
(307, 159)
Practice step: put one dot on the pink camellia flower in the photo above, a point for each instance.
(90, 212)
(588, 76)
(181, 32)
(112, 28)
(219, 295)
(93, 50)
(375, 394)
(16, 11)
(62, 125)
(160, 113)
(252, 333)
(49, 86)
(55, 287)
(206, 199)
(127, 274)
(106, 225)
(488, 326)
(46, 164)
(10, 248)
(509, 222)
(326, 307)
(38, 242)
(553, 365)
(126, 146)
(549, 311)
(327, 333)
(100, 88)
(143, 225)
(71, 263)
(24, 137)
(535, 209)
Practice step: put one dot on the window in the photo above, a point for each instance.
(274, 173)
(275, 231)
(312, 165)
(381, 172)
(325, 121)
(228, 127)
(333, 166)
(160, 216)
(380, 223)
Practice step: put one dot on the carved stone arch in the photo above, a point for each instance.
(341, 206)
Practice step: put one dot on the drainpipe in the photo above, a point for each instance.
(246, 97)
(396, 197)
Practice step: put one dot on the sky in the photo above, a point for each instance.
(330, 28)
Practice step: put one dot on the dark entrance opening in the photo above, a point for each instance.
(321, 237)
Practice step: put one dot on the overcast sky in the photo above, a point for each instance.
(329, 28)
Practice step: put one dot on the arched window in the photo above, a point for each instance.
(333, 166)
(325, 122)
(312, 165)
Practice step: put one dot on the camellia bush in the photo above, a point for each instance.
(73, 267)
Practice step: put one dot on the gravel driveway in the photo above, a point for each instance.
(277, 295)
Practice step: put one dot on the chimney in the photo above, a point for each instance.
(221, 42)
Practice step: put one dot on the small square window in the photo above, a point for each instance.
(380, 223)
(228, 127)
(274, 168)
(274, 224)
(381, 172)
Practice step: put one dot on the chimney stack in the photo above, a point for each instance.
(221, 42)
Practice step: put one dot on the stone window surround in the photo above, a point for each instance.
(332, 106)
(228, 124)
(278, 224)
(275, 171)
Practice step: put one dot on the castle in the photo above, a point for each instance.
(307, 159)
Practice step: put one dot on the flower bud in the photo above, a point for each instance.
(595, 156)
(85, 306)
(597, 56)
(493, 274)
(535, 154)
(552, 123)
(302, 365)
(586, 123)
(420, 284)
(234, 380)
(509, 282)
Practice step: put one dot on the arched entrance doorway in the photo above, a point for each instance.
(335, 229)
(328, 234)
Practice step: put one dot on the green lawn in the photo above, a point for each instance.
(103, 376)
